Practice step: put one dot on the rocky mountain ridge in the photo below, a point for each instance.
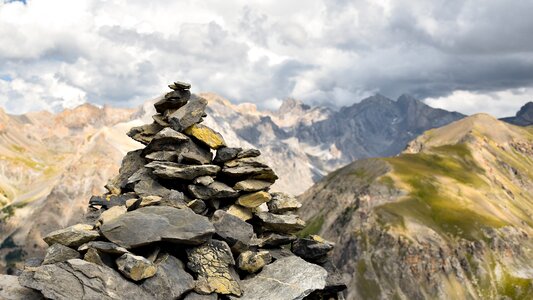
(449, 218)
(524, 117)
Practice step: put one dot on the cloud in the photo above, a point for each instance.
(456, 54)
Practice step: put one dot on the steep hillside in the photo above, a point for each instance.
(450, 218)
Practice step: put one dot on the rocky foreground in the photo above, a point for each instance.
(178, 223)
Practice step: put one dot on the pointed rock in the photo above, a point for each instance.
(96, 257)
(158, 223)
(73, 236)
(314, 249)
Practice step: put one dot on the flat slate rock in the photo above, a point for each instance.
(214, 190)
(232, 229)
(168, 170)
(171, 280)
(78, 279)
(10, 289)
(289, 278)
(281, 223)
(73, 236)
(144, 134)
(158, 223)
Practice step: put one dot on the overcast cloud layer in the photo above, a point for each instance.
(469, 56)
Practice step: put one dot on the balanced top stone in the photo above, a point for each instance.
(178, 224)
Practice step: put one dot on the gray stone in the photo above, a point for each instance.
(290, 278)
(252, 185)
(213, 263)
(248, 168)
(225, 154)
(172, 100)
(171, 280)
(144, 134)
(195, 157)
(161, 120)
(281, 223)
(198, 206)
(314, 249)
(215, 190)
(110, 201)
(233, 230)
(189, 114)
(78, 279)
(282, 202)
(135, 267)
(168, 170)
(59, 253)
(158, 223)
(163, 156)
(10, 289)
(180, 85)
(131, 163)
(248, 153)
(105, 247)
(73, 236)
(97, 257)
(204, 180)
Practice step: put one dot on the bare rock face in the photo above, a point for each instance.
(74, 236)
(171, 202)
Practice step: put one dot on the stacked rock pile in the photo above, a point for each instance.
(187, 218)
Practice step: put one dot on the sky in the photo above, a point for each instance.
(469, 56)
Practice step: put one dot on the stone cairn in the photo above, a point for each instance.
(180, 224)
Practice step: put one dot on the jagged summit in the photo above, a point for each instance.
(186, 216)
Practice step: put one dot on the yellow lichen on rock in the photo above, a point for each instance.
(254, 200)
(206, 135)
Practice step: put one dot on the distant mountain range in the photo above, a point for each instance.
(449, 218)
(51, 164)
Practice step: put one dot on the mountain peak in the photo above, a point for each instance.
(479, 126)
(524, 117)
(291, 104)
